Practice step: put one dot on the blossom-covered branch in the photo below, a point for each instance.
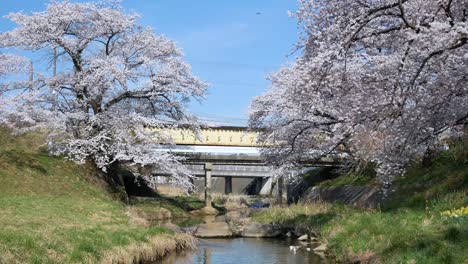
(382, 80)
(118, 84)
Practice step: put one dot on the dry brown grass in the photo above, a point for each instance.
(155, 213)
(136, 219)
(221, 198)
(6, 255)
(281, 215)
(170, 190)
(155, 249)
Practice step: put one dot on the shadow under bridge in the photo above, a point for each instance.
(228, 162)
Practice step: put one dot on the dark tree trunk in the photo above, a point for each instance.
(428, 158)
(115, 182)
(279, 198)
(114, 175)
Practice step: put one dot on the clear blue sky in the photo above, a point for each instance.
(227, 43)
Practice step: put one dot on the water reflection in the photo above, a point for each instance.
(245, 250)
(239, 250)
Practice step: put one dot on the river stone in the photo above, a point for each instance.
(238, 214)
(303, 238)
(255, 229)
(217, 229)
(300, 229)
(322, 255)
(322, 248)
(207, 210)
(236, 227)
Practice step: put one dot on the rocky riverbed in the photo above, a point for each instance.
(239, 224)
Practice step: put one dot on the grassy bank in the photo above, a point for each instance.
(54, 211)
(161, 208)
(412, 226)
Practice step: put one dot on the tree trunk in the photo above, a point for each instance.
(115, 182)
(428, 158)
(279, 198)
(114, 175)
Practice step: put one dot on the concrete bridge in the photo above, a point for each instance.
(224, 151)
(228, 152)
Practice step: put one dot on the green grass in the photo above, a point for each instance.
(221, 199)
(355, 179)
(402, 235)
(421, 187)
(408, 229)
(293, 214)
(161, 207)
(54, 211)
(189, 203)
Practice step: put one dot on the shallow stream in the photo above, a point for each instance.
(245, 251)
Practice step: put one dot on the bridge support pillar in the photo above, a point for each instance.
(228, 184)
(266, 189)
(208, 169)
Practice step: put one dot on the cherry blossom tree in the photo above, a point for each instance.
(381, 80)
(117, 87)
(9, 65)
